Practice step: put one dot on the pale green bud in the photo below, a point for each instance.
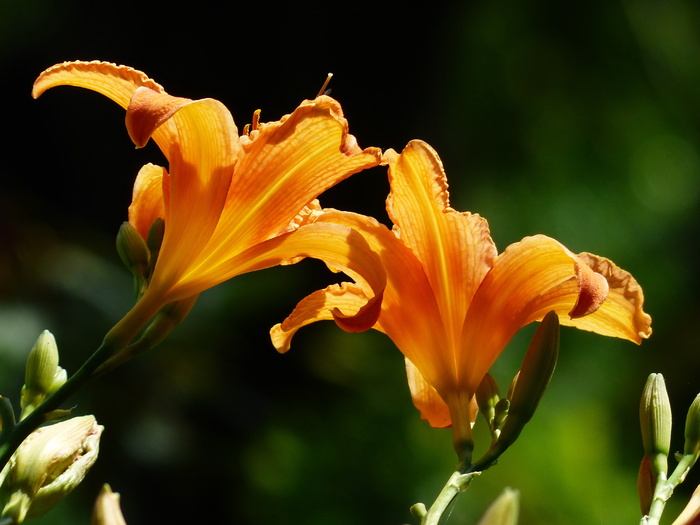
(533, 378)
(133, 250)
(504, 510)
(655, 422)
(487, 396)
(501, 413)
(107, 510)
(42, 376)
(692, 428)
(47, 466)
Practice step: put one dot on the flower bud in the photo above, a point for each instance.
(655, 421)
(107, 510)
(42, 376)
(133, 250)
(645, 486)
(692, 429)
(487, 396)
(532, 380)
(154, 240)
(47, 466)
(504, 510)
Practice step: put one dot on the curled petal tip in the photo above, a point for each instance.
(149, 109)
(364, 319)
(593, 289)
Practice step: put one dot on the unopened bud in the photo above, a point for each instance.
(154, 241)
(655, 422)
(47, 466)
(107, 510)
(645, 486)
(533, 378)
(42, 376)
(487, 396)
(692, 429)
(133, 250)
(504, 510)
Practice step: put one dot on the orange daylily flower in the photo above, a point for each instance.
(233, 203)
(452, 303)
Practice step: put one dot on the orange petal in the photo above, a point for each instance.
(147, 111)
(147, 202)
(426, 399)
(318, 306)
(622, 314)
(336, 245)
(285, 165)
(454, 248)
(203, 151)
(410, 315)
(528, 279)
(115, 82)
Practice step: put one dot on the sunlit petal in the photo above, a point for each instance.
(338, 246)
(426, 399)
(410, 314)
(622, 314)
(115, 82)
(148, 202)
(202, 159)
(148, 110)
(283, 167)
(318, 306)
(455, 248)
(527, 280)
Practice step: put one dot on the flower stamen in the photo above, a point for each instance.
(324, 90)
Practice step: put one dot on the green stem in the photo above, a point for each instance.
(664, 489)
(457, 484)
(115, 340)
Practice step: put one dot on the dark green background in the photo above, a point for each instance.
(580, 121)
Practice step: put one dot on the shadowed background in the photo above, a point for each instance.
(580, 122)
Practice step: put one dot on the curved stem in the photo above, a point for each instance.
(457, 484)
(664, 489)
(116, 339)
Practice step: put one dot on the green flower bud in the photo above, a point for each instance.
(47, 466)
(655, 421)
(501, 413)
(133, 250)
(42, 375)
(107, 510)
(504, 510)
(154, 240)
(692, 429)
(487, 395)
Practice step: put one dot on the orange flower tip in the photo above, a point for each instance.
(363, 320)
(324, 90)
(593, 290)
(148, 110)
(91, 74)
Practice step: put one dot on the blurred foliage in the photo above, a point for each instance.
(580, 121)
